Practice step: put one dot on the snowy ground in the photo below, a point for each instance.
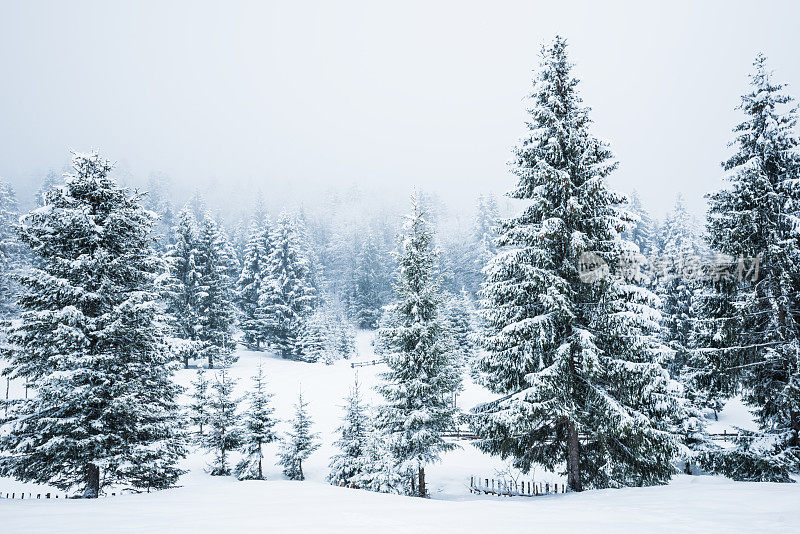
(209, 504)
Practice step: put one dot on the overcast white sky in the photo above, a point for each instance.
(295, 95)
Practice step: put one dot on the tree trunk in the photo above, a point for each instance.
(573, 458)
(794, 418)
(422, 492)
(92, 490)
(300, 469)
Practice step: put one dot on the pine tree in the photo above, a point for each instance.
(575, 356)
(485, 233)
(50, 182)
(316, 343)
(200, 404)
(682, 261)
(642, 230)
(11, 253)
(224, 435)
(350, 464)
(257, 430)
(364, 461)
(183, 287)
(755, 220)
(287, 296)
(90, 344)
(458, 314)
(299, 443)
(216, 317)
(367, 287)
(423, 373)
(249, 285)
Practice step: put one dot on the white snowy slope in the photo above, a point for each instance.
(222, 504)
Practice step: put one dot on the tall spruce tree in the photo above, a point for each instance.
(184, 288)
(755, 222)
(216, 317)
(574, 356)
(368, 284)
(423, 373)
(679, 280)
(642, 230)
(257, 430)
(90, 343)
(287, 295)
(11, 253)
(253, 324)
(299, 443)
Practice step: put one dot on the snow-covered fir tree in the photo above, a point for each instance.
(184, 288)
(678, 280)
(299, 443)
(316, 341)
(90, 344)
(257, 430)
(287, 297)
(158, 201)
(254, 324)
(51, 180)
(755, 221)
(642, 230)
(485, 232)
(363, 460)
(574, 356)
(11, 253)
(216, 318)
(350, 463)
(224, 432)
(423, 373)
(200, 402)
(458, 312)
(368, 297)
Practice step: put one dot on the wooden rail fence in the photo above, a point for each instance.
(513, 488)
(50, 495)
(365, 363)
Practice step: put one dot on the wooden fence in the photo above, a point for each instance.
(365, 363)
(513, 488)
(50, 495)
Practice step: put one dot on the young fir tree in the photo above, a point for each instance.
(224, 432)
(367, 300)
(200, 403)
(755, 222)
(216, 300)
(90, 344)
(287, 296)
(257, 430)
(299, 443)
(183, 288)
(249, 285)
(574, 356)
(350, 464)
(423, 373)
(363, 462)
(11, 253)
